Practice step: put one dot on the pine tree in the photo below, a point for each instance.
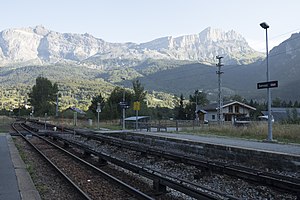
(43, 96)
(97, 99)
(296, 104)
(181, 112)
(139, 94)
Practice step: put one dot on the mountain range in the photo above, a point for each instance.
(174, 65)
(39, 45)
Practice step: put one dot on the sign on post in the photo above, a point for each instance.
(98, 108)
(136, 105)
(270, 84)
(124, 105)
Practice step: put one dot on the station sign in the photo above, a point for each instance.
(269, 84)
(124, 105)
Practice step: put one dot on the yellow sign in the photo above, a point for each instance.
(136, 105)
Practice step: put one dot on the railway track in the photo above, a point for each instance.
(88, 180)
(282, 183)
(160, 180)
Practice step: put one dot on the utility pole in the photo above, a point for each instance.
(220, 99)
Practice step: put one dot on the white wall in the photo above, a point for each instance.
(209, 115)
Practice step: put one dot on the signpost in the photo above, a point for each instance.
(98, 110)
(45, 121)
(269, 84)
(136, 107)
(124, 105)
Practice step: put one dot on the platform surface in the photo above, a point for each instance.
(9, 189)
(281, 148)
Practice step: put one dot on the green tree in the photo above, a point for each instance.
(139, 94)
(284, 104)
(43, 96)
(112, 109)
(95, 100)
(199, 98)
(276, 102)
(296, 104)
(180, 109)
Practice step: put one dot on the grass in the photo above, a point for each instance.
(286, 133)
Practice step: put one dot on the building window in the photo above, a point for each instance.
(230, 109)
(213, 117)
(237, 109)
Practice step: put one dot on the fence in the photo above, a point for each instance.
(171, 125)
(152, 125)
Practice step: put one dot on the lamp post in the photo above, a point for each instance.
(265, 26)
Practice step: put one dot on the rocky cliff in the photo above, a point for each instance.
(38, 44)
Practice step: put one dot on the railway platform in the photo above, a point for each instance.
(15, 181)
(271, 147)
(268, 154)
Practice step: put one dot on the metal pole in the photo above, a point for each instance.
(219, 72)
(98, 122)
(19, 105)
(270, 137)
(75, 122)
(98, 112)
(264, 25)
(136, 120)
(196, 94)
(56, 111)
(123, 123)
(45, 121)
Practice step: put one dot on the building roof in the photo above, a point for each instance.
(215, 106)
(133, 118)
(201, 111)
(280, 114)
(77, 110)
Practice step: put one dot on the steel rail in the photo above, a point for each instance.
(131, 190)
(280, 182)
(274, 180)
(183, 186)
(84, 195)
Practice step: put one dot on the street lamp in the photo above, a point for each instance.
(265, 26)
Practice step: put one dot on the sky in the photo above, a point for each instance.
(144, 20)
